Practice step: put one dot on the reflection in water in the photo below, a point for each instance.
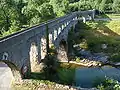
(86, 77)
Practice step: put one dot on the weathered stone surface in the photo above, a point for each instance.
(23, 48)
(33, 56)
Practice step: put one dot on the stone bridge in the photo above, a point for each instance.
(20, 50)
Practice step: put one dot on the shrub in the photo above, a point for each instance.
(77, 59)
(109, 84)
(115, 57)
(66, 76)
(51, 65)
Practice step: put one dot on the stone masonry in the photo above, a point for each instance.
(26, 48)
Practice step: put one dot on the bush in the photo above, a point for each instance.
(51, 66)
(115, 57)
(66, 76)
(109, 84)
(51, 63)
(78, 59)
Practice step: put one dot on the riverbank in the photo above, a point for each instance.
(81, 63)
(99, 37)
(45, 85)
(41, 85)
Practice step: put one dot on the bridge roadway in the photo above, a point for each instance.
(6, 77)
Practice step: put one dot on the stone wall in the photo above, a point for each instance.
(26, 48)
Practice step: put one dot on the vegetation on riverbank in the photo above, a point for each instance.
(38, 81)
(31, 84)
(107, 84)
(92, 35)
(109, 16)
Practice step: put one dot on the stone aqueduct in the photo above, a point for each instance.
(19, 50)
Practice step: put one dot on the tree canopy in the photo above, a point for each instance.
(16, 15)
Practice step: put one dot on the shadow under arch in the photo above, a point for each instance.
(63, 50)
(63, 44)
(17, 75)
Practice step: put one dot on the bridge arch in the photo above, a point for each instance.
(63, 44)
(33, 56)
(16, 72)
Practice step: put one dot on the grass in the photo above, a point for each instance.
(108, 16)
(113, 15)
(32, 85)
(94, 34)
(114, 26)
(64, 76)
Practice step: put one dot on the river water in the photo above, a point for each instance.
(86, 77)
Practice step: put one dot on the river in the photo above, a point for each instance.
(86, 77)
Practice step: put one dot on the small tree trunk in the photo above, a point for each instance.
(47, 38)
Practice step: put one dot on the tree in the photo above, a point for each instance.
(8, 14)
(60, 7)
(37, 11)
(116, 6)
(102, 5)
(97, 4)
(46, 11)
(85, 5)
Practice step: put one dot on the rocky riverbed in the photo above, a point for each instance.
(101, 57)
(88, 58)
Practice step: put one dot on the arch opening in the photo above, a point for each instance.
(43, 47)
(62, 51)
(63, 45)
(11, 71)
(33, 57)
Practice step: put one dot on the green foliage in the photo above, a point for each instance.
(85, 5)
(84, 44)
(116, 6)
(66, 76)
(60, 7)
(51, 66)
(77, 59)
(8, 15)
(37, 11)
(115, 57)
(101, 5)
(93, 34)
(33, 85)
(14, 15)
(52, 50)
(73, 7)
(81, 5)
(17, 15)
(109, 84)
(71, 40)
